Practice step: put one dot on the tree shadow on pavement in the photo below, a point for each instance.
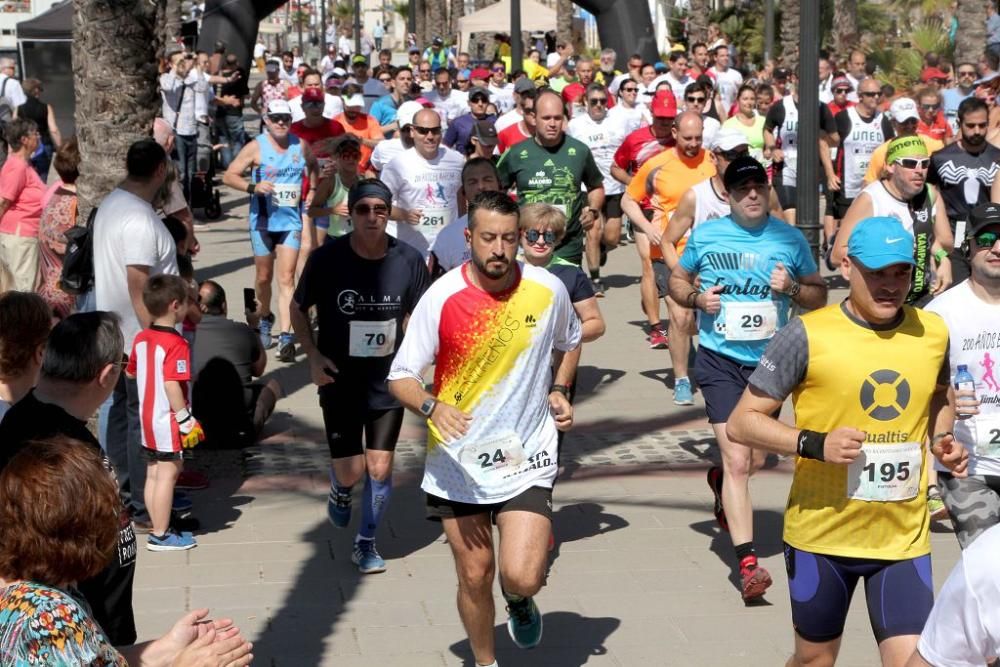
(578, 521)
(568, 640)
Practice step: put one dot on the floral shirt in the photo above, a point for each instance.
(46, 626)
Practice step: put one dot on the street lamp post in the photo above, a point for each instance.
(516, 45)
(357, 27)
(807, 203)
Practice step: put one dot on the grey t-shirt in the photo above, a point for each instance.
(232, 341)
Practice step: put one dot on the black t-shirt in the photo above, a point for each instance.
(233, 341)
(576, 281)
(109, 594)
(959, 174)
(361, 304)
(237, 88)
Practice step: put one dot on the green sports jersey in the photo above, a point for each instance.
(554, 176)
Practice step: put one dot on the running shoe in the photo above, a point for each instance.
(338, 508)
(286, 348)
(657, 340)
(715, 483)
(171, 542)
(755, 579)
(191, 480)
(367, 558)
(935, 505)
(598, 287)
(181, 502)
(682, 392)
(265, 326)
(524, 622)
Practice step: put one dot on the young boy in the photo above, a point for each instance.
(161, 358)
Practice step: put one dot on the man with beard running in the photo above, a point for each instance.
(493, 328)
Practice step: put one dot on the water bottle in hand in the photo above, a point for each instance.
(965, 382)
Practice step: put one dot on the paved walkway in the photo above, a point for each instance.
(641, 575)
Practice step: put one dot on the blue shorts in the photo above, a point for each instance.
(721, 380)
(264, 243)
(900, 593)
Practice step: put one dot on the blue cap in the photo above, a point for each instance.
(661, 66)
(879, 242)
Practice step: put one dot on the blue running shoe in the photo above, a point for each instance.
(286, 348)
(524, 622)
(367, 558)
(171, 542)
(181, 502)
(266, 324)
(682, 392)
(338, 507)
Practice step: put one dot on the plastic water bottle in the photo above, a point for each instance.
(964, 382)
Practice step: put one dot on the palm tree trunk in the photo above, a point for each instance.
(455, 12)
(845, 25)
(970, 42)
(115, 79)
(564, 21)
(420, 6)
(437, 24)
(790, 34)
(697, 26)
(168, 22)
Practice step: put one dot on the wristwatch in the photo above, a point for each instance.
(561, 388)
(427, 407)
(793, 291)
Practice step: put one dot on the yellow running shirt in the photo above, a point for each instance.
(842, 372)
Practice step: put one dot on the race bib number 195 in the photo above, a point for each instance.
(885, 473)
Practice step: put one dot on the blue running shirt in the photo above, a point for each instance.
(282, 210)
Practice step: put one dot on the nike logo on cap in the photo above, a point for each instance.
(888, 240)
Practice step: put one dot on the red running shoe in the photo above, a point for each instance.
(715, 483)
(756, 579)
(657, 340)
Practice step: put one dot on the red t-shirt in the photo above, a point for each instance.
(638, 147)
(159, 354)
(511, 135)
(836, 108)
(939, 129)
(312, 135)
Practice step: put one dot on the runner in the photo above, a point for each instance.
(638, 147)
(315, 129)
(857, 507)
(664, 179)
(752, 267)
(279, 161)
(971, 310)
(603, 135)
(424, 181)
(965, 172)
(363, 286)
(555, 169)
(494, 328)
(450, 247)
(521, 129)
(330, 197)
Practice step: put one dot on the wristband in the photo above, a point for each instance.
(940, 436)
(940, 254)
(810, 445)
(251, 187)
(793, 291)
(182, 415)
(561, 388)
(692, 299)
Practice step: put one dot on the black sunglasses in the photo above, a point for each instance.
(365, 209)
(630, 89)
(597, 100)
(696, 99)
(425, 130)
(869, 94)
(280, 118)
(986, 239)
(549, 236)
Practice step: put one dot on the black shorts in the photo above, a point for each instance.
(661, 275)
(612, 206)
(154, 455)
(787, 195)
(351, 426)
(900, 593)
(840, 205)
(722, 381)
(535, 499)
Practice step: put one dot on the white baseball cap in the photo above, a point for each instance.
(354, 101)
(406, 112)
(728, 139)
(904, 109)
(278, 106)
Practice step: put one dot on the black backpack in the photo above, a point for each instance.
(78, 263)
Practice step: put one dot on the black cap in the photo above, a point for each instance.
(743, 169)
(438, 41)
(983, 216)
(781, 73)
(485, 133)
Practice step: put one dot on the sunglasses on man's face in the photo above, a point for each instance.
(967, 73)
(499, 69)
(461, 81)
(696, 99)
(914, 163)
(841, 91)
(870, 94)
(930, 107)
(425, 130)
(548, 237)
(380, 210)
(630, 89)
(986, 239)
(597, 100)
(281, 118)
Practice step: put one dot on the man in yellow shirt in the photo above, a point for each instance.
(858, 503)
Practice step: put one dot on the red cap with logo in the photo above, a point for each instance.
(313, 95)
(664, 104)
(479, 73)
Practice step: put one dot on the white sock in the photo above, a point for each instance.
(492, 664)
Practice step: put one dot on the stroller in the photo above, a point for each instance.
(204, 194)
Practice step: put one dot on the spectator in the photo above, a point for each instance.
(58, 216)
(229, 123)
(183, 90)
(21, 193)
(169, 201)
(59, 525)
(45, 119)
(226, 350)
(130, 244)
(25, 321)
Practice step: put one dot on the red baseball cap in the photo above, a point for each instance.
(931, 73)
(313, 95)
(479, 73)
(664, 104)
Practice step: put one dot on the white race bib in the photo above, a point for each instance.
(751, 320)
(432, 221)
(372, 339)
(885, 473)
(988, 435)
(490, 460)
(287, 194)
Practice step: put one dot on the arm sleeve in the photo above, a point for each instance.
(177, 362)
(503, 168)
(304, 293)
(583, 289)
(133, 363)
(933, 175)
(450, 135)
(419, 283)
(621, 155)
(636, 187)
(784, 363)
(806, 265)
(887, 130)
(420, 342)
(775, 117)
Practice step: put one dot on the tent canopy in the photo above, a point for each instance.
(535, 17)
(54, 25)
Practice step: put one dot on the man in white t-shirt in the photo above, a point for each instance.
(387, 149)
(130, 245)
(514, 116)
(450, 248)
(329, 61)
(449, 103)
(677, 77)
(727, 80)
(424, 181)
(603, 134)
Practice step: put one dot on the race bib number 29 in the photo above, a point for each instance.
(751, 320)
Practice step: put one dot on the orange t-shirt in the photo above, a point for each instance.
(363, 127)
(664, 179)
